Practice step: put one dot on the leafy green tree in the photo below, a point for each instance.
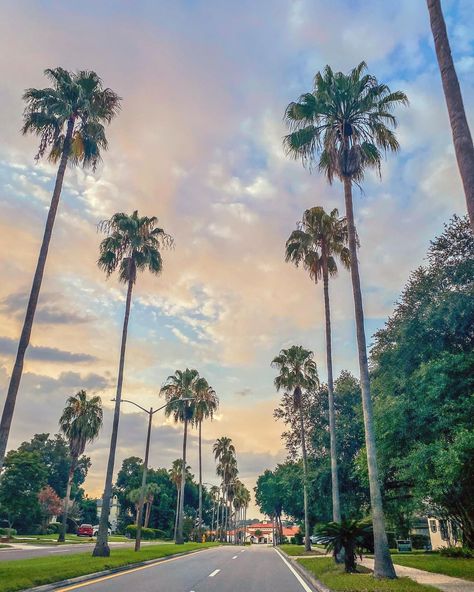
(297, 373)
(180, 391)
(206, 404)
(69, 118)
(80, 422)
(88, 510)
(423, 379)
(23, 477)
(462, 139)
(133, 244)
(319, 240)
(343, 126)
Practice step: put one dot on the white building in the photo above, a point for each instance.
(443, 533)
(114, 512)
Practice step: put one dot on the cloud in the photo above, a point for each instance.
(51, 309)
(9, 346)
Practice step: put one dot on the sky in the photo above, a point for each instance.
(198, 144)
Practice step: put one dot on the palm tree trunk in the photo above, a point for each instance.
(383, 567)
(200, 486)
(102, 548)
(179, 534)
(178, 489)
(307, 542)
(462, 138)
(336, 509)
(216, 536)
(9, 407)
(147, 514)
(62, 532)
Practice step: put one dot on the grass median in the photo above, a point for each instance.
(457, 567)
(26, 573)
(296, 550)
(333, 576)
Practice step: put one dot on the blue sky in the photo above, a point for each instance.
(198, 143)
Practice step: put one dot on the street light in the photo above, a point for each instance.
(151, 412)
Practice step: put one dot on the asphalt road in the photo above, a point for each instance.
(224, 569)
(25, 551)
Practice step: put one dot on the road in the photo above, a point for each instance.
(222, 569)
(25, 551)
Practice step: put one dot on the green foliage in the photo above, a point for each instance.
(351, 535)
(457, 552)
(8, 531)
(148, 534)
(76, 103)
(423, 383)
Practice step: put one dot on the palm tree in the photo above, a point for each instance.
(180, 391)
(69, 118)
(80, 423)
(298, 372)
(206, 404)
(319, 239)
(132, 244)
(344, 125)
(224, 453)
(462, 139)
(349, 536)
(215, 497)
(176, 475)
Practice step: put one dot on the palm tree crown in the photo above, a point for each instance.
(319, 239)
(81, 421)
(207, 402)
(79, 100)
(133, 244)
(297, 371)
(344, 124)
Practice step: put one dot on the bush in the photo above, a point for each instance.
(292, 541)
(7, 532)
(299, 538)
(54, 528)
(148, 534)
(459, 552)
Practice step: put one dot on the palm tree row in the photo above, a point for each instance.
(232, 498)
(190, 399)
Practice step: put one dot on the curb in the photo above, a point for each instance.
(309, 578)
(106, 572)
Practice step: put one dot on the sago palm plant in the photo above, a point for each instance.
(344, 126)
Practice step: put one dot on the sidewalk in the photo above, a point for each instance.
(445, 583)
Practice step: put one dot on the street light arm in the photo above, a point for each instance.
(171, 403)
(136, 405)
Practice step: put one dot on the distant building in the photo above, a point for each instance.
(443, 533)
(263, 532)
(113, 514)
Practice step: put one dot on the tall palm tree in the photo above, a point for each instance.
(344, 125)
(176, 476)
(462, 139)
(298, 372)
(224, 453)
(215, 497)
(132, 244)
(206, 404)
(180, 391)
(80, 423)
(319, 240)
(69, 118)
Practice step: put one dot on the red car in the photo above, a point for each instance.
(85, 530)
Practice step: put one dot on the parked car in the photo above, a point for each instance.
(96, 530)
(315, 539)
(85, 530)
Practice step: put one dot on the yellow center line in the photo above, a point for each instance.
(122, 573)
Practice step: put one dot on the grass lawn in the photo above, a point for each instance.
(295, 550)
(26, 573)
(333, 576)
(450, 566)
(2, 546)
(51, 539)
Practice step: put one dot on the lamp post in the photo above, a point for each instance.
(150, 412)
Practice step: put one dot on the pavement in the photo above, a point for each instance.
(28, 551)
(222, 569)
(441, 581)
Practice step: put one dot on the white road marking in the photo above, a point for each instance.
(214, 573)
(234, 557)
(243, 551)
(304, 585)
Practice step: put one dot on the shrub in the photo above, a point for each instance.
(7, 532)
(292, 540)
(460, 552)
(148, 534)
(54, 528)
(299, 538)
